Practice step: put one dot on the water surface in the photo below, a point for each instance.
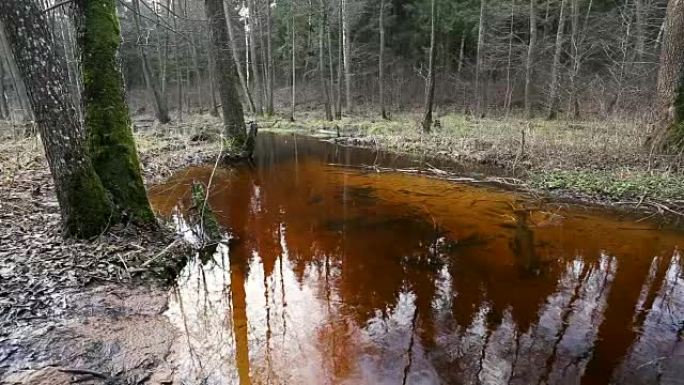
(343, 275)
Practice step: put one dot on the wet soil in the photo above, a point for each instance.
(335, 273)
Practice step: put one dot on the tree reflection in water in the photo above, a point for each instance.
(341, 276)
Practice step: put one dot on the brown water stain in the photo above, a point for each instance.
(339, 275)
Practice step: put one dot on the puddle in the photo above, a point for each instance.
(341, 275)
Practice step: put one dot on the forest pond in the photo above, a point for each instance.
(339, 274)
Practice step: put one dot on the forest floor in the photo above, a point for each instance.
(86, 311)
(601, 162)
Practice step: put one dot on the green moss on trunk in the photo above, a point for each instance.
(108, 125)
(89, 211)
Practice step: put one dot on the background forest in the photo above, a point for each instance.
(584, 59)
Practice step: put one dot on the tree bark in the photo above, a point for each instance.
(17, 82)
(161, 109)
(256, 78)
(478, 63)
(321, 66)
(233, 115)
(233, 45)
(83, 201)
(270, 66)
(381, 61)
(529, 63)
(331, 66)
(346, 43)
(554, 99)
(108, 125)
(4, 107)
(669, 108)
(294, 66)
(340, 63)
(430, 87)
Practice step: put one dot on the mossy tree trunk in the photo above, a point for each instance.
(669, 125)
(84, 205)
(108, 125)
(233, 115)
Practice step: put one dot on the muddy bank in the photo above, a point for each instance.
(90, 310)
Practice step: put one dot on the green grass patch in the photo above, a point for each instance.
(614, 185)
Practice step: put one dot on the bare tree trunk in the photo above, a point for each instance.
(212, 75)
(17, 82)
(340, 63)
(346, 43)
(321, 67)
(233, 115)
(108, 125)
(244, 83)
(554, 98)
(430, 86)
(176, 53)
(161, 109)
(294, 67)
(640, 46)
(381, 61)
(529, 64)
(256, 78)
(83, 201)
(509, 85)
(4, 107)
(461, 52)
(331, 66)
(479, 58)
(269, 60)
(669, 108)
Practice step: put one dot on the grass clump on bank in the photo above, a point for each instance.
(616, 186)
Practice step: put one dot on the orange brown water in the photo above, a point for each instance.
(339, 275)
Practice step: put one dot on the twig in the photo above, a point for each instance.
(84, 372)
(161, 253)
(60, 4)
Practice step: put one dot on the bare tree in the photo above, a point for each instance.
(669, 108)
(321, 67)
(381, 61)
(270, 66)
(256, 78)
(479, 58)
(233, 115)
(83, 201)
(233, 45)
(346, 44)
(554, 99)
(161, 109)
(529, 63)
(430, 86)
